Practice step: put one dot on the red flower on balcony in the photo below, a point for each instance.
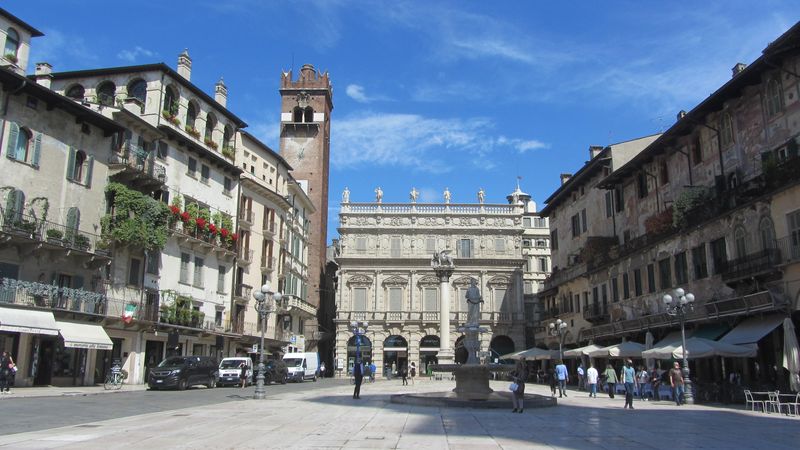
(175, 210)
(234, 237)
(185, 216)
(212, 228)
(224, 232)
(201, 223)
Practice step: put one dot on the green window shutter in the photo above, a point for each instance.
(71, 163)
(89, 166)
(19, 204)
(11, 146)
(37, 150)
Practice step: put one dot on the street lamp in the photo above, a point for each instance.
(359, 329)
(559, 329)
(264, 298)
(680, 306)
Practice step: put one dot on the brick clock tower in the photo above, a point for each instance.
(306, 105)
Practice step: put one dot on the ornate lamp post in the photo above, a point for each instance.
(264, 298)
(679, 306)
(359, 329)
(558, 329)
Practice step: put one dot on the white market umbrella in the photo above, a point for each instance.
(625, 349)
(533, 354)
(791, 358)
(581, 351)
(701, 348)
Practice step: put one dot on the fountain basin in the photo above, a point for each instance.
(495, 400)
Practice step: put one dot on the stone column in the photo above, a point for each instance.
(446, 353)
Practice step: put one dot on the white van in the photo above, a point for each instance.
(230, 370)
(302, 366)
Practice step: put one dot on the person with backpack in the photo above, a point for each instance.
(611, 379)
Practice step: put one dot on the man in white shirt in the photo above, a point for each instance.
(581, 379)
(591, 379)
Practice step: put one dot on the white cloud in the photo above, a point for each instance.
(60, 49)
(133, 55)
(356, 92)
(421, 143)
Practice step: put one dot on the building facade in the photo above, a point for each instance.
(710, 206)
(386, 277)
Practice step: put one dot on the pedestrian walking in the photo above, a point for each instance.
(591, 379)
(322, 369)
(518, 377)
(581, 378)
(7, 371)
(413, 372)
(563, 378)
(404, 375)
(358, 375)
(655, 383)
(551, 378)
(243, 374)
(643, 381)
(676, 381)
(611, 379)
(372, 370)
(629, 379)
(368, 371)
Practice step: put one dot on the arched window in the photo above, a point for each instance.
(171, 101)
(297, 114)
(766, 231)
(726, 130)
(308, 115)
(76, 91)
(191, 115)
(138, 89)
(211, 123)
(23, 145)
(80, 160)
(105, 93)
(227, 136)
(740, 241)
(12, 44)
(774, 97)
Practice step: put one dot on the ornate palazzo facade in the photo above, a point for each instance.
(386, 278)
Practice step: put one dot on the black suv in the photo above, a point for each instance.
(182, 372)
(276, 372)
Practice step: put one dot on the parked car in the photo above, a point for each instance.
(181, 372)
(276, 372)
(230, 370)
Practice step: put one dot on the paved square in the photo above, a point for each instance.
(330, 418)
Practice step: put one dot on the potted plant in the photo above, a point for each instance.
(81, 241)
(24, 226)
(197, 318)
(55, 236)
(171, 117)
(209, 142)
(192, 131)
(102, 247)
(227, 151)
(11, 57)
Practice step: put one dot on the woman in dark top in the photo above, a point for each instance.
(243, 374)
(519, 375)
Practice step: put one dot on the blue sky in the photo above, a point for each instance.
(435, 94)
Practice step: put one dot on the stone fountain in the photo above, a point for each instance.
(472, 378)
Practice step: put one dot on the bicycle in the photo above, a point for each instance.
(115, 379)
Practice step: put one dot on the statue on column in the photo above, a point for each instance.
(414, 195)
(378, 194)
(481, 195)
(346, 195)
(447, 195)
(474, 301)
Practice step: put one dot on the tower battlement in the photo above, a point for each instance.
(309, 78)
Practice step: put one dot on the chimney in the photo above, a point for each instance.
(594, 150)
(565, 177)
(44, 74)
(221, 93)
(681, 114)
(185, 65)
(738, 68)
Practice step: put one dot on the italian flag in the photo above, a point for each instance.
(127, 315)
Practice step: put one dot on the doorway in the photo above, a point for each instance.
(44, 356)
(153, 354)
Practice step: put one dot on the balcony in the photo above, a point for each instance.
(291, 303)
(51, 296)
(245, 256)
(760, 263)
(246, 218)
(136, 167)
(789, 249)
(551, 313)
(269, 230)
(596, 314)
(202, 241)
(243, 291)
(43, 235)
(268, 264)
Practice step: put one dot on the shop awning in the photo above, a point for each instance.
(27, 321)
(671, 338)
(84, 335)
(752, 330)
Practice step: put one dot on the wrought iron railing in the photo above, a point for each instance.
(30, 227)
